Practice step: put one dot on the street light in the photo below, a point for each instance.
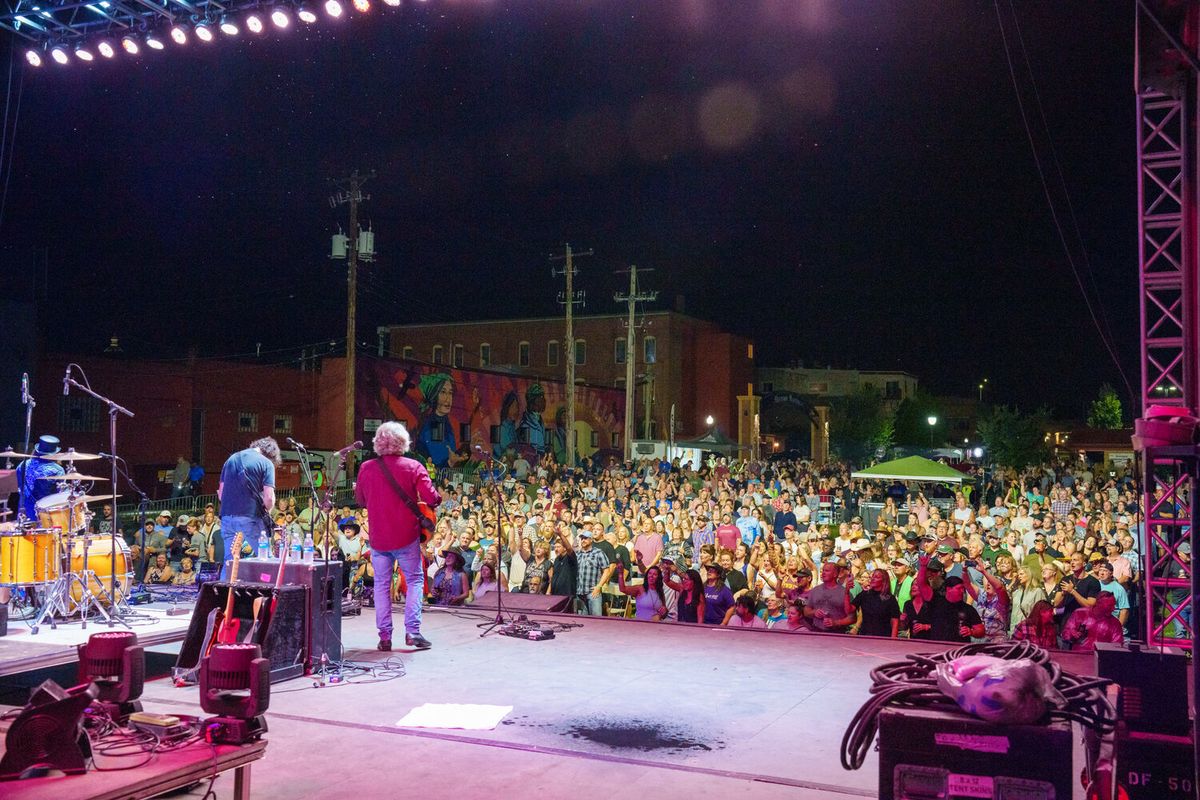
(709, 420)
(932, 420)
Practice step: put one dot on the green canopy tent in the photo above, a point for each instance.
(715, 442)
(913, 468)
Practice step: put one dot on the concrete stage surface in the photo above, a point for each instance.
(613, 708)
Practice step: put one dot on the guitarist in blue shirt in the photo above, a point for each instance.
(247, 493)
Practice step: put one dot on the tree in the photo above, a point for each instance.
(911, 426)
(859, 424)
(1106, 410)
(1014, 439)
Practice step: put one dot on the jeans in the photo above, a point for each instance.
(249, 527)
(590, 605)
(409, 559)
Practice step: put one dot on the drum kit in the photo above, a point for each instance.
(70, 569)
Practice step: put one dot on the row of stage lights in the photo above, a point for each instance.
(204, 30)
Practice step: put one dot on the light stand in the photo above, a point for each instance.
(113, 410)
(489, 627)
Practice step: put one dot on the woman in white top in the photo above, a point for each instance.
(485, 581)
(962, 513)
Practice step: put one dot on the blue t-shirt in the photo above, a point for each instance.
(717, 600)
(243, 477)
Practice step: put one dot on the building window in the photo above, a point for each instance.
(464, 433)
(893, 390)
(595, 438)
(523, 354)
(283, 423)
(458, 355)
(552, 353)
(437, 354)
(618, 351)
(649, 349)
(247, 422)
(485, 354)
(79, 414)
(616, 440)
(407, 352)
(580, 351)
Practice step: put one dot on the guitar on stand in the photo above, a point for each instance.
(219, 629)
(260, 602)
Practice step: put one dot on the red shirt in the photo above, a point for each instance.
(393, 524)
(728, 536)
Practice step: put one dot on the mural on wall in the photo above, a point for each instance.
(451, 411)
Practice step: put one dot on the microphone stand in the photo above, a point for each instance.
(30, 403)
(113, 410)
(489, 627)
(325, 506)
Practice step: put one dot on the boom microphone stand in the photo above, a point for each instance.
(113, 410)
(489, 627)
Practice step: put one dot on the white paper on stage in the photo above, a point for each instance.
(464, 716)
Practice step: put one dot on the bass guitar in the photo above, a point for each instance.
(263, 613)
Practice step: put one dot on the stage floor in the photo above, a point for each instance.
(610, 707)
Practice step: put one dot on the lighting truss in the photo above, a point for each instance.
(41, 25)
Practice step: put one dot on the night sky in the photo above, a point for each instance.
(847, 183)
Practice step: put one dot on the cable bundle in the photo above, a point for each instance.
(912, 683)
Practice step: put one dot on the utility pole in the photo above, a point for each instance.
(632, 299)
(570, 298)
(349, 190)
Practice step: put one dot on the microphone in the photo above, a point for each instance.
(67, 381)
(24, 388)
(294, 443)
(345, 450)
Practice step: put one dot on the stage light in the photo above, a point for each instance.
(153, 42)
(392, 3)
(235, 683)
(306, 15)
(116, 664)
(130, 45)
(228, 26)
(203, 32)
(33, 58)
(254, 23)
(105, 48)
(59, 54)
(280, 18)
(362, 6)
(179, 34)
(83, 54)
(333, 8)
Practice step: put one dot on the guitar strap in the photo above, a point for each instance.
(405, 496)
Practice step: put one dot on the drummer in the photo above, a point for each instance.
(28, 473)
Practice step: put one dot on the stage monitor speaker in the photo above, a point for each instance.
(924, 753)
(520, 603)
(325, 599)
(1152, 682)
(284, 638)
(48, 733)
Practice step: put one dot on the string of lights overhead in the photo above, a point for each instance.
(68, 31)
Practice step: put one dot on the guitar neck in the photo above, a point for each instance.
(233, 570)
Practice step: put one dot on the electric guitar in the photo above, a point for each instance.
(260, 604)
(215, 624)
(428, 513)
(227, 624)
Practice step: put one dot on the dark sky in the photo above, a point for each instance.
(846, 182)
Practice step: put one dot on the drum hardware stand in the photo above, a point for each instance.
(113, 410)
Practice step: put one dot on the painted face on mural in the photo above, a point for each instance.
(445, 398)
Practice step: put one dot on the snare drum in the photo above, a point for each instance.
(28, 557)
(100, 561)
(55, 511)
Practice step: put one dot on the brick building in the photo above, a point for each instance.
(680, 360)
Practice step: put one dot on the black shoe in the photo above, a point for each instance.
(384, 644)
(418, 641)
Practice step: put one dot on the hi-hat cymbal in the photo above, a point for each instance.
(8, 452)
(71, 476)
(70, 455)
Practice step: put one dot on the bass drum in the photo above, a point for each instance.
(28, 557)
(101, 561)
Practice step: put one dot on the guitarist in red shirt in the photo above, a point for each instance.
(400, 499)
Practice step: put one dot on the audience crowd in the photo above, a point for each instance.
(1049, 554)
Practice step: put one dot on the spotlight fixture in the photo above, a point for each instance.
(306, 15)
(280, 18)
(179, 34)
(254, 23)
(116, 664)
(362, 6)
(235, 684)
(105, 48)
(153, 42)
(33, 58)
(228, 26)
(333, 8)
(203, 32)
(59, 54)
(130, 45)
(83, 54)
(392, 3)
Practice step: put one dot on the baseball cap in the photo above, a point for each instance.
(1096, 557)
(861, 544)
(944, 549)
(911, 536)
(804, 572)
(933, 565)
(165, 513)
(584, 533)
(898, 561)
(789, 527)
(1185, 547)
(184, 519)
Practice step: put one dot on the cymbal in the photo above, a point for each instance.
(8, 452)
(95, 498)
(71, 476)
(70, 455)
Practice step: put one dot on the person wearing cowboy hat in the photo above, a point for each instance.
(30, 471)
(450, 585)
